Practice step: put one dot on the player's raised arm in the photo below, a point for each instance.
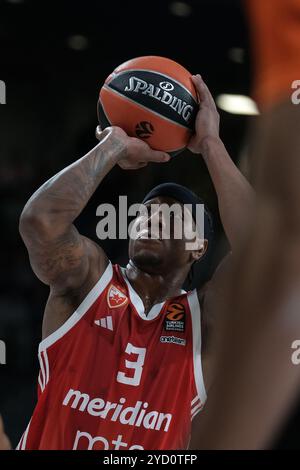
(235, 194)
(236, 200)
(59, 255)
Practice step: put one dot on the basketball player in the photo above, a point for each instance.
(126, 357)
(258, 382)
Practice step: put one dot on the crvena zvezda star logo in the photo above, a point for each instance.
(116, 298)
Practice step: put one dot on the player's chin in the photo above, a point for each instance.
(150, 245)
(148, 254)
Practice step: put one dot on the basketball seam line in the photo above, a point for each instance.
(180, 149)
(104, 112)
(144, 107)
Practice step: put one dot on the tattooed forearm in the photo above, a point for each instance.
(62, 198)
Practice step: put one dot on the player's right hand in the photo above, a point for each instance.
(207, 120)
(134, 153)
(4, 441)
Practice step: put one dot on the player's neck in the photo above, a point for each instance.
(153, 288)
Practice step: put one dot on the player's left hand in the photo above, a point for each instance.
(4, 441)
(207, 119)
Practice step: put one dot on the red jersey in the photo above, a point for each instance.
(113, 378)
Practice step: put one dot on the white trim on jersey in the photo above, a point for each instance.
(138, 303)
(80, 311)
(194, 400)
(40, 381)
(196, 410)
(22, 442)
(44, 374)
(47, 366)
(198, 374)
(23, 446)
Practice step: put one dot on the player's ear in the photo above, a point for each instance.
(200, 251)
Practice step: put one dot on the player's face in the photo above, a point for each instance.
(159, 236)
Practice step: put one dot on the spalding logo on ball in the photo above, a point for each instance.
(152, 98)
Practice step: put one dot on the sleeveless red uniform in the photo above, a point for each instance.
(113, 378)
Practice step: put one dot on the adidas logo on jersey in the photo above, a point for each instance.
(116, 298)
(105, 323)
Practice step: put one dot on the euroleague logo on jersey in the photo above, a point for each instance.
(115, 297)
(175, 317)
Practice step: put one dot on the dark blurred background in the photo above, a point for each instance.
(54, 59)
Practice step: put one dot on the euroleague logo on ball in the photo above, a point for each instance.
(144, 129)
(166, 86)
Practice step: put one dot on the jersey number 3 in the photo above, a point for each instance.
(137, 366)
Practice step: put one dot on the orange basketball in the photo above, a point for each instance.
(152, 98)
